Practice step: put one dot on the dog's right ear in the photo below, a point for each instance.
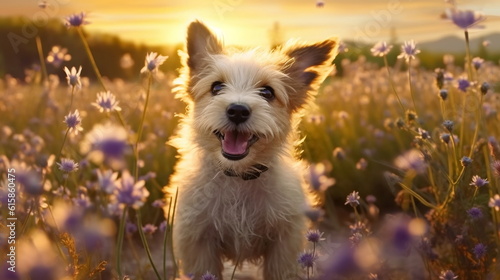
(201, 43)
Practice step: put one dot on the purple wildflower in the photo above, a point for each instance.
(314, 236)
(131, 193)
(74, 122)
(465, 19)
(463, 84)
(475, 213)
(478, 181)
(76, 20)
(381, 49)
(208, 276)
(109, 139)
(477, 62)
(106, 102)
(149, 229)
(306, 259)
(159, 203)
(353, 199)
(409, 50)
(73, 76)
(163, 226)
(465, 161)
(447, 275)
(153, 60)
(107, 180)
(67, 165)
(479, 250)
(130, 228)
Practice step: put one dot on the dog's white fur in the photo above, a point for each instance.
(225, 217)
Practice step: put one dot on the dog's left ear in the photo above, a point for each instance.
(201, 43)
(308, 67)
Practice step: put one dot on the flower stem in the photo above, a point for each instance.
(165, 240)
(392, 84)
(411, 87)
(467, 55)
(42, 59)
(64, 141)
(119, 246)
(72, 97)
(172, 232)
(91, 57)
(478, 124)
(145, 243)
(141, 125)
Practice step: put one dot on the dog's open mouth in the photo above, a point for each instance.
(235, 144)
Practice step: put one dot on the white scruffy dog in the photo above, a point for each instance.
(240, 195)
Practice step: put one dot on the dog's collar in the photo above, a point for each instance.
(253, 173)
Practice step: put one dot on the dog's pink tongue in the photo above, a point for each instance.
(235, 143)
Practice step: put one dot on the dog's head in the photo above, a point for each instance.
(243, 102)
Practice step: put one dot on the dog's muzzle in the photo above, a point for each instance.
(236, 143)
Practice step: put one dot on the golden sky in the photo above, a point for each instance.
(248, 22)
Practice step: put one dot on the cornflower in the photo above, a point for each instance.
(109, 139)
(477, 62)
(478, 181)
(153, 60)
(463, 84)
(409, 50)
(73, 76)
(74, 122)
(106, 102)
(475, 213)
(479, 250)
(381, 49)
(129, 192)
(107, 180)
(306, 259)
(314, 236)
(67, 165)
(76, 20)
(353, 199)
(465, 19)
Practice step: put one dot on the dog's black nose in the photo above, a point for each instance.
(238, 113)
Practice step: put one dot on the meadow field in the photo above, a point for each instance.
(405, 160)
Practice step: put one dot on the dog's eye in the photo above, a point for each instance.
(267, 92)
(217, 87)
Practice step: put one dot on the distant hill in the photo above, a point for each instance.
(454, 44)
